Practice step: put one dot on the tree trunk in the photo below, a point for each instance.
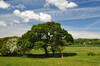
(61, 54)
(53, 53)
(46, 51)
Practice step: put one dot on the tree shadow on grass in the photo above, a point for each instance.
(57, 55)
(11, 55)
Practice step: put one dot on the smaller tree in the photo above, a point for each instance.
(10, 46)
(58, 46)
(3, 45)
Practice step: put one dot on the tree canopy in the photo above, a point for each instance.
(43, 35)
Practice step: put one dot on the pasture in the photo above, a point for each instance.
(73, 56)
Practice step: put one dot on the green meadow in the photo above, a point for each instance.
(73, 56)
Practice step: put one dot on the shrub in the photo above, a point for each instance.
(91, 54)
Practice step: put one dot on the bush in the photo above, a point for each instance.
(91, 54)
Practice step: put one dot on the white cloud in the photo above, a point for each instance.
(12, 26)
(74, 14)
(71, 5)
(31, 15)
(81, 32)
(16, 21)
(61, 4)
(10, 19)
(3, 24)
(16, 12)
(85, 34)
(14, 30)
(19, 6)
(3, 4)
(45, 17)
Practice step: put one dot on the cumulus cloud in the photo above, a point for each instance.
(85, 34)
(16, 12)
(61, 4)
(3, 24)
(3, 4)
(31, 15)
(71, 5)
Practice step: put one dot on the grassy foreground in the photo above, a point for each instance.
(80, 59)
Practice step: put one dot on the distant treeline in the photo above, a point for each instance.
(86, 42)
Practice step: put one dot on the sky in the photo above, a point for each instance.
(81, 18)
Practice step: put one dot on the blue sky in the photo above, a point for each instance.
(81, 18)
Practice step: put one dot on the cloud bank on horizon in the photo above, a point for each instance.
(81, 17)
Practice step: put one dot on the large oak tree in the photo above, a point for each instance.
(43, 35)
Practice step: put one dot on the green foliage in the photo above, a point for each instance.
(39, 44)
(44, 35)
(24, 44)
(9, 45)
(3, 45)
(1, 42)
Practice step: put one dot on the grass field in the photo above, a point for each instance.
(80, 58)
